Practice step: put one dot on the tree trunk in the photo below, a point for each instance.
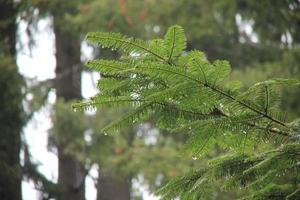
(109, 188)
(68, 87)
(11, 112)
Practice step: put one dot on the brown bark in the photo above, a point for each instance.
(11, 120)
(68, 87)
(109, 188)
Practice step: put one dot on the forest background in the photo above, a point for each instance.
(259, 38)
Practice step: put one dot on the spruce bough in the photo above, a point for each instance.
(187, 93)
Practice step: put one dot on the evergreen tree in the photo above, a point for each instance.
(186, 92)
(216, 32)
(71, 173)
(66, 79)
(11, 114)
(67, 83)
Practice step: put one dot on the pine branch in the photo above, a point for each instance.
(267, 99)
(219, 91)
(174, 42)
(239, 169)
(246, 105)
(115, 40)
(189, 94)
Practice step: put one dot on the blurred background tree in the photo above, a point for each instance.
(11, 114)
(259, 38)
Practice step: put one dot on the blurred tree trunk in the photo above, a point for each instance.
(71, 174)
(111, 189)
(11, 112)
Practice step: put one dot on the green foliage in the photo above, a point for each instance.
(12, 119)
(185, 92)
(255, 173)
(174, 42)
